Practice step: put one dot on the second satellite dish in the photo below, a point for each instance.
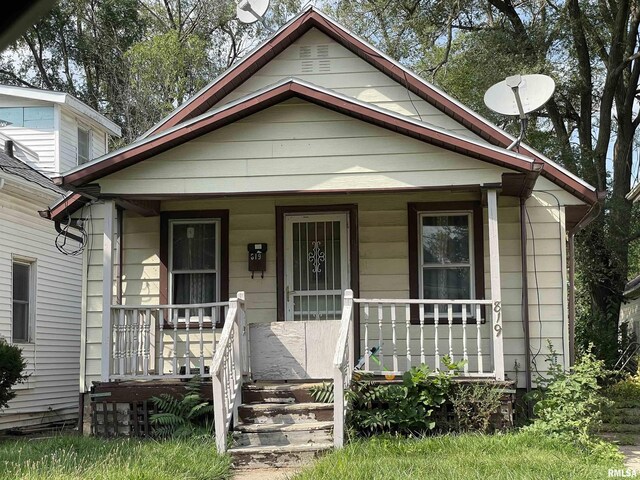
(519, 94)
(251, 11)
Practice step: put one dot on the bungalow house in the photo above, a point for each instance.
(316, 204)
(42, 133)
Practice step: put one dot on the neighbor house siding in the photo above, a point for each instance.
(69, 141)
(40, 141)
(318, 59)
(384, 266)
(298, 146)
(51, 392)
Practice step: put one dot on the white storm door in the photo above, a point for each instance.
(316, 266)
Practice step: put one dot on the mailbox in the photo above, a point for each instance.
(257, 258)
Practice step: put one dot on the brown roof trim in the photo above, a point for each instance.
(277, 94)
(310, 19)
(67, 206)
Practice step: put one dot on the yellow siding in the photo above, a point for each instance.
(384, 266)
(340, 70)
(298, 146)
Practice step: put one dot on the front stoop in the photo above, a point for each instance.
(280, 426)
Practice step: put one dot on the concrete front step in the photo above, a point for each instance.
(278, 392)
(618, 418)
(255, 434)
(278, 456)
(285, 413)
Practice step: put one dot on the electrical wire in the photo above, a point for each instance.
(535, 271)
(63, 237)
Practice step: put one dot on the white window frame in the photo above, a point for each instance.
(472, 261)
(87, 130)
(171, 271)
(31, 263)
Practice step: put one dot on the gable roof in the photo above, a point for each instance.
(69, 101)
(277, 93)
(313, 18)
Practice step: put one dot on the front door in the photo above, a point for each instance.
(316, 265)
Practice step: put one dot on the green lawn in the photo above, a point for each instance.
(510, 456)
(83, 458)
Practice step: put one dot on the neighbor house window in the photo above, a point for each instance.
(23, 296)
(84, 145)
(37, 118)
(446, 253)
(194, 263)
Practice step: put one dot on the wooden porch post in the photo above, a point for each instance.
(107, 286)
(496, 297)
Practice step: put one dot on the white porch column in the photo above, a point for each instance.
(107, 286)
(496, 296)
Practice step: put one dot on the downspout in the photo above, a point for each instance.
(525, 293)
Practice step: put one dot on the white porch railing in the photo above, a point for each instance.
(163, 341)
(230, 363)
(400, 333)
(343, 364)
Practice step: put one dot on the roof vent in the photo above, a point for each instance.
(305, 52)
(322, 51)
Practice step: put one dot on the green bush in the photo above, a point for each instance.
(569, 404)
(12, 365)
(473, 406)
(184, 417)
(400, 408)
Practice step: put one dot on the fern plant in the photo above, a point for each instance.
(184, 417)
(322, 393)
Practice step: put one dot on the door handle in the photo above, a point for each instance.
(289, 292)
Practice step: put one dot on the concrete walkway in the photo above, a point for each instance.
(265, 473)
(631, 456)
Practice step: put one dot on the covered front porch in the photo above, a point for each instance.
(330, 261)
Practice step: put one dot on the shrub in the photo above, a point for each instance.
(404, 408)
(12, 365)
(473, 406)
(188, 416)
(569, 403)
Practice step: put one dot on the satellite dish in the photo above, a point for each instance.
(518, 95)
(251, 11)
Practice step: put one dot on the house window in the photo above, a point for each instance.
(23, 301)
(194, 260)
(84, 145)
(445, 254)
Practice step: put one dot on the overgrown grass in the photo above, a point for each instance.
(74, 458)
(521, 456)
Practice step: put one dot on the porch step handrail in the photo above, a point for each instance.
(154, 341)
(229, 365)
(343, 364)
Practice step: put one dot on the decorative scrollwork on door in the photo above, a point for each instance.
(316, 256)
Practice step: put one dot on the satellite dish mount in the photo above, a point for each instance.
(251, 11)
(518, 95)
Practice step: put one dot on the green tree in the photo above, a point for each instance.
(591, 49)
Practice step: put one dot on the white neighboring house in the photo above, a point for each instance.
(43, 134)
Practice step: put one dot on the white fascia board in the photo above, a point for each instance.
(63, 99)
